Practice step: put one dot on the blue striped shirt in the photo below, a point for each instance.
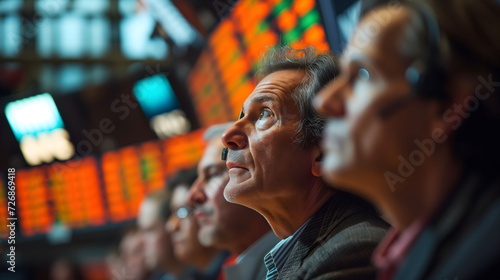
(276, 258)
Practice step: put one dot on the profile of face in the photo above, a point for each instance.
(264, 160)
(183, 227)
(64, 270)
(132, 257)
(220, 221)
(157, 243)
(360, 144)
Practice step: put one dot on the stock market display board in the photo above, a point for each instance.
(94, 191)
(223, 76)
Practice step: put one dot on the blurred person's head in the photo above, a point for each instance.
(274, 156)
(182, 225)
(222, 224)
(414, 105)
(132, 256)
(151, 219)
(64, 269)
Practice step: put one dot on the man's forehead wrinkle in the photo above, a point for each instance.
(262, 97)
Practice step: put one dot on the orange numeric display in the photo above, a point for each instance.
(77, 194)
(223, 76)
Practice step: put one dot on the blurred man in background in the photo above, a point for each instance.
(66, 269)
(242, 231)
(158, 252)
(132, 257)
(414, 128)
(182, 226)
(274, 163)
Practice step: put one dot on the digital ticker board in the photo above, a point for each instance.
(223, 75)
(95, 191)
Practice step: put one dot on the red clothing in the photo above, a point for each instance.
(231, 260)
(392, 250)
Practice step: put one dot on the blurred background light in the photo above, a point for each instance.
(38, 127)
(13, 37)
(172, 21)
(135, 38)
(155, 95)
(91, 6)
(71, 77)
(10, 5)
(71, 36)
(32, 115)
(348, 20)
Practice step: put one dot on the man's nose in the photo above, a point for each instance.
(197, 194)
(235, 137)
(330, 100)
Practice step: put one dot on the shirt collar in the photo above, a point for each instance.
(281, 251)
(393, 249)
(255, 248)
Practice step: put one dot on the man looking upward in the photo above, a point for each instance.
(274, 163)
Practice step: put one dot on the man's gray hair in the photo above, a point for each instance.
(321, 67)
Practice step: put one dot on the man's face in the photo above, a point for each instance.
(156, 239)
(360, 145)
(184, 228)
(220, 221)
(132, 257)
(263, 160)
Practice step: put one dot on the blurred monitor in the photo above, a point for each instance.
(155, 95)
(340, 18)
(39, 129)
(159, 103)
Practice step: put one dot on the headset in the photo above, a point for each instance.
(427, 75)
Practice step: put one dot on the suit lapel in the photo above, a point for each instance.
(323, 225)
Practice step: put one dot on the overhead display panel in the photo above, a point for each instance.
(90, 192)
(77, 194)
(129, 174)
(223, 76)
(35, 213)
(39, 129)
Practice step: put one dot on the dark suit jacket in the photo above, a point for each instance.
(462, 241)
(337, 243)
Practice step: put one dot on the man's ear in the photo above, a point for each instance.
(318, 159)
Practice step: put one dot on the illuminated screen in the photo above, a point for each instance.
(132, 172)
(39, 129)
(155, 95)
(183, 151)
(33, 195)
(129, 174)
(32, 115)
(76, 193)
(87, 193)
(222, 78)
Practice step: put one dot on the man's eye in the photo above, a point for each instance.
(264, 114)
(363, 74)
